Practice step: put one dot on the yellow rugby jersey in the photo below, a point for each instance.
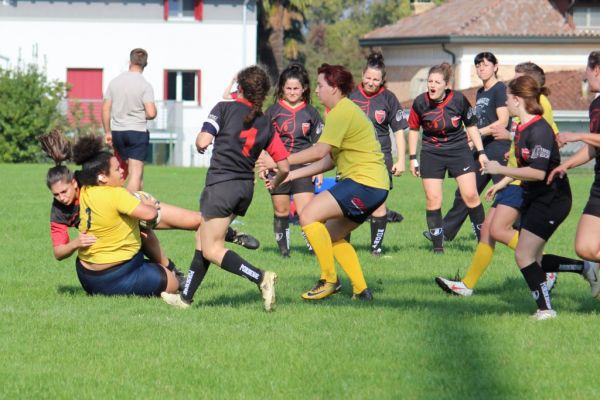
(356, 151)
(104, 213)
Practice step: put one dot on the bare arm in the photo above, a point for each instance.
(399, 166)
(311, 154)
(413, 137)
(523, 173)
(106, 109)
(227, 92)
(585, 154)
(146, 210)
(502, 114)
(150, 109)
(587, 138)
(203, 140)
(63, 251)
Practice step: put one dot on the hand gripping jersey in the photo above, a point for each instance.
(443, 123)
(62, 218)
(536, 147)
(384, 111)
(298, 127)
(237, 147)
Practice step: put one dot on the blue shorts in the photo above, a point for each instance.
(511, 196)
(131, 144)
(136, 276)
(357, 201)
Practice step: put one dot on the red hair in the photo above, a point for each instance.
(337, 76)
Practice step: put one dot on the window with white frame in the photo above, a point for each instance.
(586, 17)
(181, 9)
(182, 86)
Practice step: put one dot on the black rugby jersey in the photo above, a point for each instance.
(62, 218)
(595, 128)
(384, 111)
(236, 147)
(298, 127)
(487, 101)
(443, 123)
(536, 147)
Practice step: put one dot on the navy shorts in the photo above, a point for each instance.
(227, 198)
(511, 196)
(457, 162)
(131, 144)
(134, 277)
(357, 201)
(543, 214)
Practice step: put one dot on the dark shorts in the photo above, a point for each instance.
(302, 185)
(357, 201)
(542, 215)
(593, 205)
(131, 144)
(226, 198)
(457, 162)
(134, 277)
(511, 196)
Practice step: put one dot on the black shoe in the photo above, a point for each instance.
(243, 239)
(338, 286)
(427, 235)
(377, 252)
(365, 295)
(393, 216)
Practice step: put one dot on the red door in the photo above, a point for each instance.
(85, 96)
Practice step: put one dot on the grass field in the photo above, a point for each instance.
(412, 342)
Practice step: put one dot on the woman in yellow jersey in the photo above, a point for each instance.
(114, 263)
(349, 144)
(499, 221)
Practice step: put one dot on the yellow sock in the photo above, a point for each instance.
(481, 260)
(346, 256)
(318, 237)
(513, 242)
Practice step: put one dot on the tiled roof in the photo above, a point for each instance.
(484, 18)
(565, 92)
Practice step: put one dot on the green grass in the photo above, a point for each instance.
(412, 342)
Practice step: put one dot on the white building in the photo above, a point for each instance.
(194, 47)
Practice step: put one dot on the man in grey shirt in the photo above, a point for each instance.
(128, 104)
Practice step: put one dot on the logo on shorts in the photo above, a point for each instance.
(466, 168)
(455, 121)
(358, 204)
(379, 116)
(525, 154)
(305, 128)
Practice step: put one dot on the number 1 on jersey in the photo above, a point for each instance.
(250, 136)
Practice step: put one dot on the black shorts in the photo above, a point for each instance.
(302, 185)
(227, 198)
(543, 214)
(131, 144)
(457, 162)
(593, 205)
(357, 201)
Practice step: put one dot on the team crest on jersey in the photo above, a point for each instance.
(525, 154)
(305, 128)
(379, 116)
(455, 121)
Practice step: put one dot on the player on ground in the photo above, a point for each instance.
(442, 112)
(240, 133)
(386, 114)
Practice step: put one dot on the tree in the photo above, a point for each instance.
(28, 108)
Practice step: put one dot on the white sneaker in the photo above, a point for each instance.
(541, 315)
(457, 288)
(551, 278)
(174, 299)
(590, 274)
(267, 288)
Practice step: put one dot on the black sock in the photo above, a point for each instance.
(552, 263)
(536, 280)
(195, 276)
(281, 227)
(477, 216)
(348, 236)
(235, 264)
(230, 235)
(436, 229)
(378, 225)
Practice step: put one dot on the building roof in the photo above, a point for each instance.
(565, 92)
(468, 19)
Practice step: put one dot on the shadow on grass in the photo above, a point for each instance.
(71, 290)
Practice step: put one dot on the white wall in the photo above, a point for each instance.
(214, 48)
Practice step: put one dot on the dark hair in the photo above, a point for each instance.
(139, 57)
(255, 86)
(58, 148)
(527, 88)
(444, 68)
(337, 76)
(536, 72)
(375, 61)
(89, 152)
(486, 55)
(593, 59)
(298, 72)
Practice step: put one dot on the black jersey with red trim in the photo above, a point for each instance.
(384, 111)
(236, 147)
(595, 128)
(298, 127)
(62, 218)
(443, 123)
(536, 147)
